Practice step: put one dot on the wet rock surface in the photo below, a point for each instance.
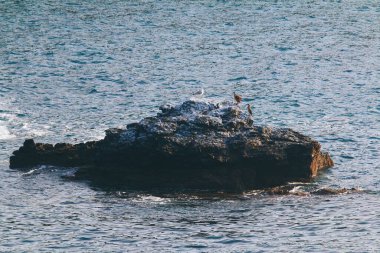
(308, 190)
(194, 145)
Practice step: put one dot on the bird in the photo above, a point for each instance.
(250, 118)
(249, 109)
(237, 98)
(199, 92)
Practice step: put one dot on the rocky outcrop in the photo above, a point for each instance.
(196, 144)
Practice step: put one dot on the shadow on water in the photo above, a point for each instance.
(121, 189)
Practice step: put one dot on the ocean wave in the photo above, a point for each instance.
(5, 134)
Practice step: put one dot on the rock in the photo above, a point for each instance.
(330, 191)
(307, 190)
(194, 145)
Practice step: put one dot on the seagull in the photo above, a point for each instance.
(199, 92)
(237, 98)
(249, 109)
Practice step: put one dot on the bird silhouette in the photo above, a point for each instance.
(237, 98)
(249, 109)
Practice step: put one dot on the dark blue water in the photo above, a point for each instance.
(71, 69)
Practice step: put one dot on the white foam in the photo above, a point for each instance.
(35, 130)
(150, 199)
(6, 116)
(29, 172)
(4, 133)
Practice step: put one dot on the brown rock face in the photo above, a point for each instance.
(196, 145)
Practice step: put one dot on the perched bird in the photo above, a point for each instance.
(249, 109)
(237, 98)
(250, 118)
(199, 92)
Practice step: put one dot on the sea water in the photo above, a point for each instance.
(71, 69)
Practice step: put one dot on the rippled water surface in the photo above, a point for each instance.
(71, 69)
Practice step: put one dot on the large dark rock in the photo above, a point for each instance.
(195, 145)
